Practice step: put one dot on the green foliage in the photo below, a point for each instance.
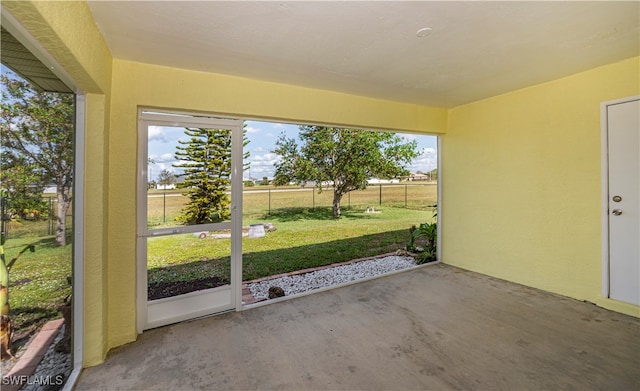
(37, 145)
(24, 192)
(428, 232)
(434, 174)
(345, 158)
(423, 240)
(206, 161)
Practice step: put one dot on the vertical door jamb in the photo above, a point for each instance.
(236, 213)
(141, 219)
(439, 203)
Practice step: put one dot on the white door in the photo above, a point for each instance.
(623, 139)
(182, 272)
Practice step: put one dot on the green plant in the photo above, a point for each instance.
(6, 328)
(423, 240)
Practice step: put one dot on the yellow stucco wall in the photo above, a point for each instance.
(143, 85)
(172, 88)
(95, 233)
(67, 32)
(521, 184)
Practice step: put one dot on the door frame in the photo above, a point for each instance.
(192, 304)
(604, 154)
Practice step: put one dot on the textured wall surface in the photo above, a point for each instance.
(521, 183)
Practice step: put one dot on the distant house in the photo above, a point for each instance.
(166, 187)
(418, 177)
(376, 181)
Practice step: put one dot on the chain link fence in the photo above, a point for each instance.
(164, 206)
(42, 223)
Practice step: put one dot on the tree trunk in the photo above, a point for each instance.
(64, 200)
(337, 196)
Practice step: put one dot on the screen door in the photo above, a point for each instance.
(189, 217)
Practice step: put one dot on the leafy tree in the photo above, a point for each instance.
(166, 177)
(206, 161)
(21, 181)
(433, 174)
(346, 158)
(37, 137)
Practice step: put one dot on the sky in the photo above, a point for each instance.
(262, 139)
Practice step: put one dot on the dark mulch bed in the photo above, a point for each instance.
(168, 289)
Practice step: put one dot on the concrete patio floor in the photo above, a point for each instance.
(434, 328)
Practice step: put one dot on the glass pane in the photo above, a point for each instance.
(188, 176)
(179, 264)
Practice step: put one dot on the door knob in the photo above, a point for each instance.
(617, 212)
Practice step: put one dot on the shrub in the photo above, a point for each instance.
(423, 241)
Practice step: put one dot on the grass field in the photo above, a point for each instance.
(259, 201)
(38, 283)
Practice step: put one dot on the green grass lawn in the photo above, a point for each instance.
(304, 238)
(37, 283)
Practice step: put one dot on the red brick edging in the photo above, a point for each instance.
(37, 348)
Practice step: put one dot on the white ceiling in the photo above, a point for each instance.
(475, 49)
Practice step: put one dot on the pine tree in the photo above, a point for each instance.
(206, 161)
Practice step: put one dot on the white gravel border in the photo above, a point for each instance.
(331, 276)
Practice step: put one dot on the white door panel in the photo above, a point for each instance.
(623, 129)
